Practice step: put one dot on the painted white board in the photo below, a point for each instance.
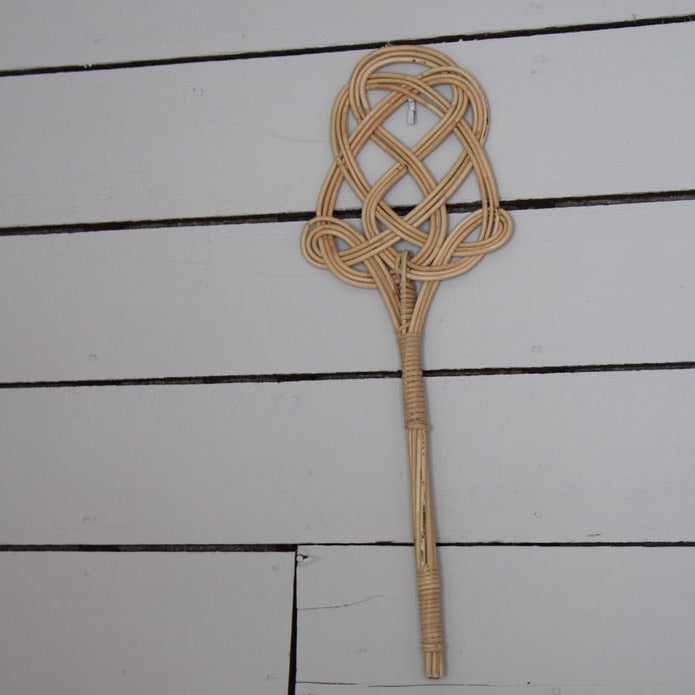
(538, 620)
(534, 458)
(40, 33)
(569, 118)
(596, 285)
(147, 623)
(475, 689)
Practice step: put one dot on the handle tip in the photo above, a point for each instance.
(434, 664)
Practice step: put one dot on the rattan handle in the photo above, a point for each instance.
(425, 544)
(424, 539)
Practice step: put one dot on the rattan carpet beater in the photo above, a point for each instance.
(374, 255)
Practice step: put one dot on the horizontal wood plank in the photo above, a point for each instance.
(145, 622)
(594, 285)
(528, 458)
(478, 689)
(568, 118)
(538, 620)
(36, 33)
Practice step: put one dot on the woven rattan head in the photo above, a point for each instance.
(367, 256)
(371, 255)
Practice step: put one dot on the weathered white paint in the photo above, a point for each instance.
(558, 458)
(577, 620)
(570, 116)
(39, 33)
(149, 623)
(525, 689)
(574, 286)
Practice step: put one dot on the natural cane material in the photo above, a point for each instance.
(373, 254)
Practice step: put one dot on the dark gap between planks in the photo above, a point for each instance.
(292, 666)
(293, 547)
(348, 213)
(312, 50)
(342, 376)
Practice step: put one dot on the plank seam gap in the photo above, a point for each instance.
(293, 547)
(338, 48)
(347, 213)
(152, 547)
(517, 544)
(292, 667)
(346, 376)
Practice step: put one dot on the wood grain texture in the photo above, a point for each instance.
(66, 32)
(586, 619)
(574, 286)
(535, 458)
(568, 118)
(145, 622)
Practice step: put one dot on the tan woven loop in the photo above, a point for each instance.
(362, 257)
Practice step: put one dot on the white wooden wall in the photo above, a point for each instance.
(203, 468)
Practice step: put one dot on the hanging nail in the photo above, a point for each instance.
(410, 116)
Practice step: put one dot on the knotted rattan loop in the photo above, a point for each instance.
(370, 255)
